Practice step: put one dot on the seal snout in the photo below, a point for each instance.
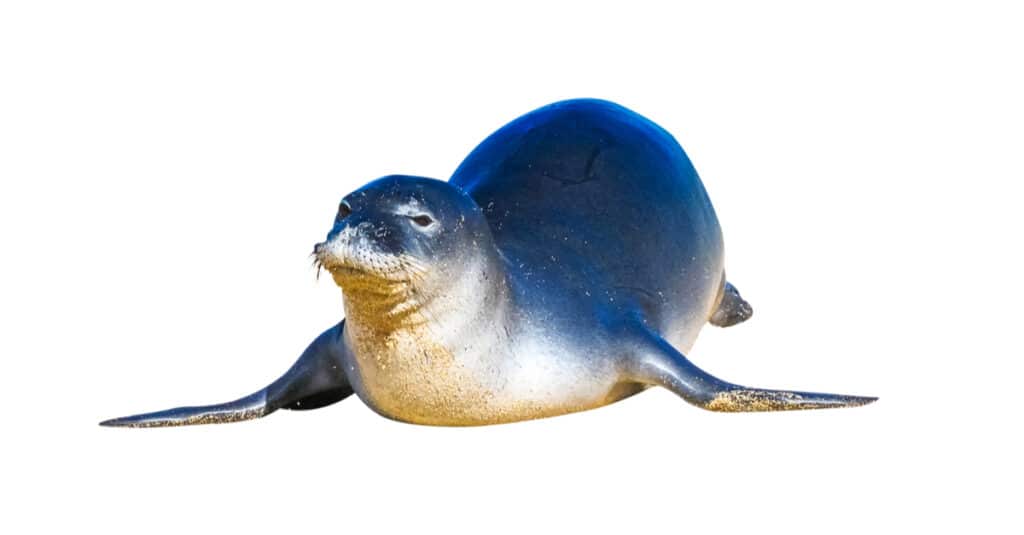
(354, 254)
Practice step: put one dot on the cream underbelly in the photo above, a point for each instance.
(414, 380)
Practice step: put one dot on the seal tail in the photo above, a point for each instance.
(315, 380)
(732, 308)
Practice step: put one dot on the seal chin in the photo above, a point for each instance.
(380, 289)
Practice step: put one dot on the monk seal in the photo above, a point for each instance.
(569, 263)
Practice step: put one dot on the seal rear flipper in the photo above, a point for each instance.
(315, 380)
(655, 362)
(732, 308)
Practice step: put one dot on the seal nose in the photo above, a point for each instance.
(344, 210)
(350, 228)
(336, 230)
(341, 221)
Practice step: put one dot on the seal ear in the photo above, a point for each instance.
(316, 380)
(654, 361)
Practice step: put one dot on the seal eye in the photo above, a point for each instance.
(344, 210)
(422, 220)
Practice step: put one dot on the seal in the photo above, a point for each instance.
(570, 262)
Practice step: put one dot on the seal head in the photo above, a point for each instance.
(425, 296)
(400, 241)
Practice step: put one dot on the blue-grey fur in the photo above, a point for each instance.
(595, 226)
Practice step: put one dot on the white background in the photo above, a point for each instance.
(167, 167)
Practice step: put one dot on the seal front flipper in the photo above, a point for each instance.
(315, 380)
(732, 309)
(653, 361)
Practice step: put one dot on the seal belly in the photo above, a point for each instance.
(408, 376)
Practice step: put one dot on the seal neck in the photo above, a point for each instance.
(383, 308)
(473, 304)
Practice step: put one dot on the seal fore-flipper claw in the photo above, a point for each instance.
(656, 362)
(315, 380)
